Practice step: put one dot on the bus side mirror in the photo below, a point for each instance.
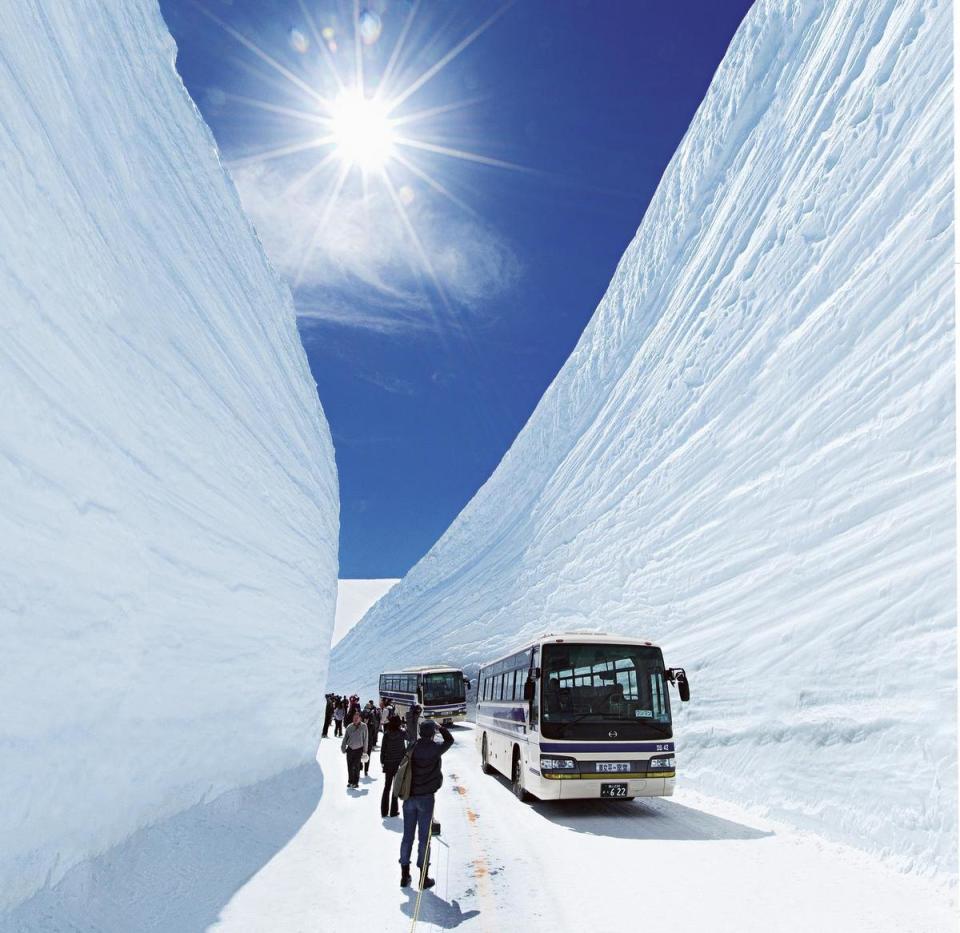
(678, 676)
(528, 690)
(467, 683)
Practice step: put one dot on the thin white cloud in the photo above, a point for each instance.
(365, 269)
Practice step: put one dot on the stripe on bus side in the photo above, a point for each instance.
(662, 747)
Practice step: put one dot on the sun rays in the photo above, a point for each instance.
(361, 122)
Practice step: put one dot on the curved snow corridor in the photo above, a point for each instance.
(749, 457)
(169, 524)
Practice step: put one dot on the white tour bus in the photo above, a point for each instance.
(439, 689)
(580, 715)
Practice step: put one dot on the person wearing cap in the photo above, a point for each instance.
(392, 749)
(426, 776)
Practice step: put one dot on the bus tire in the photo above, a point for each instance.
(516, 778)
(485, 765)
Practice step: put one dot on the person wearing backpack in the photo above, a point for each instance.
(392, 749)
(338, 714)
(425, 777)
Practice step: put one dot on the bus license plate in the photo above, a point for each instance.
(613, 790)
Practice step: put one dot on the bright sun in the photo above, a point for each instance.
(363, 126)
(362, 132)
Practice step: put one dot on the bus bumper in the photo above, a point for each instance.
(448, 719)
(552, 789)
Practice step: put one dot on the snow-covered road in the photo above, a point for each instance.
(685, 864)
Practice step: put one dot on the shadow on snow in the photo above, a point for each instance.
(178, 875)
(435, 910)
(642, 818)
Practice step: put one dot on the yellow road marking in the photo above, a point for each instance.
(481, 870)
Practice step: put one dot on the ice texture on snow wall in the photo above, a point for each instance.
(749, 456)
(168, 495)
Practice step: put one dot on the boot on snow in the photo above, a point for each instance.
(405, 876)
(425, 880)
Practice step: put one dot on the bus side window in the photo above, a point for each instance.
(534, 707)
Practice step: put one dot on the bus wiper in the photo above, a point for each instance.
(584, 716)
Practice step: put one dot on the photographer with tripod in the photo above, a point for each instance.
(425, 778)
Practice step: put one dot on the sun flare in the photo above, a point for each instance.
(362, 132)
(366, 123)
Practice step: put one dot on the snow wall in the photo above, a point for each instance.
(749, 456)
(168, 494)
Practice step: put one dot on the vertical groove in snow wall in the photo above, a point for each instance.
(749, 456)
(169, 517)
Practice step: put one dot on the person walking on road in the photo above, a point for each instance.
(354, 744)
(338, 714)
(392, 749)
(425, 780)
(369, 718)
(373, 723)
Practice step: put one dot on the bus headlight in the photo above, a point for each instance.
(557, 764)
(667, 764)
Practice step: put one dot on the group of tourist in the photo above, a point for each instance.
(402, 737)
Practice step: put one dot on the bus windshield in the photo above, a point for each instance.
(445, 687)
(586, 687)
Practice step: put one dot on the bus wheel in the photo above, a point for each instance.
(484, 760)
(517, 782)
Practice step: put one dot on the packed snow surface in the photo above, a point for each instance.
(749, 456)
(169, 516)
(271, 859)
(354, 600)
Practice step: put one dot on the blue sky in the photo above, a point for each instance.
(439, 293)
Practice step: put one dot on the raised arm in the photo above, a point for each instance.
(447, 739)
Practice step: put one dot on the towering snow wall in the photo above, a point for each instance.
(749, 456)
(168, 495)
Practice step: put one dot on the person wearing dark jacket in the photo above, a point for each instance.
(426, 776)
(413, 723)
(392, 749)
(372, 721)
(327, 715)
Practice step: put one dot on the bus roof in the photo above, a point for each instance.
(427, 669)
(551, 638)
